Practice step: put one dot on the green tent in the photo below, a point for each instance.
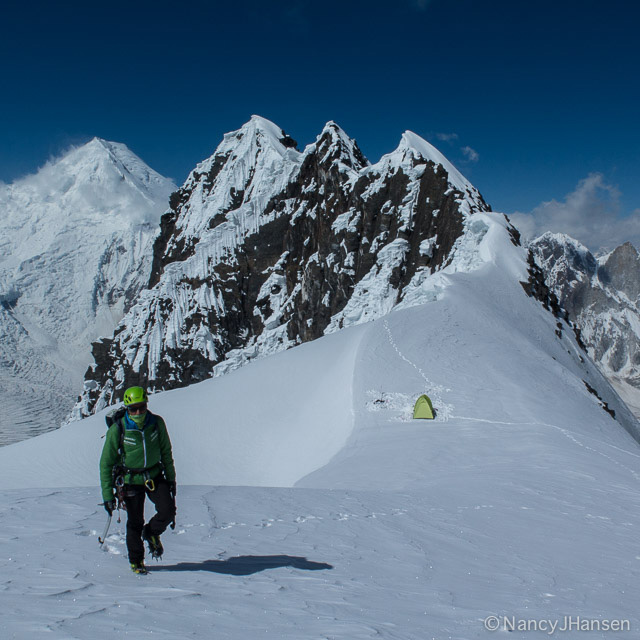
(423, 408)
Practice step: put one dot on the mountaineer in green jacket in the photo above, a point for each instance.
(137, 457)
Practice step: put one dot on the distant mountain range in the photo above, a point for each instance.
(263, 248)
(602, 297)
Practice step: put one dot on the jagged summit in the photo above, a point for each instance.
(333, 143)
(241, 152)
(413, 143)
(224, 196)
(561, 254)
(258, 132)
(265, 247)
(272, 130)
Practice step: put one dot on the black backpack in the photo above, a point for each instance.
(116, 415)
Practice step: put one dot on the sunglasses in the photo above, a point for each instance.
(137, 408)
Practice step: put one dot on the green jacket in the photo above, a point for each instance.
(147, 451)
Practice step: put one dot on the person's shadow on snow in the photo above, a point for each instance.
(245, 565)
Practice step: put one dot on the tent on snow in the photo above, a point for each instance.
(423, 408)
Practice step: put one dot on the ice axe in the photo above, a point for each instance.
(103, 537)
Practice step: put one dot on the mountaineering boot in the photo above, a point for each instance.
(138, 567)
(155, 546)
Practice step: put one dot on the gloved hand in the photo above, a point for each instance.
(109, 506)
(172, 487)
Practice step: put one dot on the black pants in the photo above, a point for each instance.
(134, 496)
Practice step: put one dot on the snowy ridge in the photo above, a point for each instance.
(482, 244)
(76, 249)
(266, 247)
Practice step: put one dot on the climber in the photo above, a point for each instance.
(137, 458)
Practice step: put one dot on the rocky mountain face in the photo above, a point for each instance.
(602, 298)
(75, 250)
(265, 247)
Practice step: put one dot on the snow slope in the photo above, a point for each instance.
(311, 505)
(75, 248)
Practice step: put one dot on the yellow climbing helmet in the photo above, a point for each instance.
(135, 395)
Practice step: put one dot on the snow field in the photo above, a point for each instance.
(299, 563)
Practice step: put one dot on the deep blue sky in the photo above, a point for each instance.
(546, 93)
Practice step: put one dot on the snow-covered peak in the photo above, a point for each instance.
(75, 249)
(563, 257)
(268, 129)
(560, 244)
(117, 151)
(333, 144)
(244, 171)
(412, 156)
(258, 132)
(257, 142)
(100, 177)
(101, 186)
(413, 144)
(561, 239)
(130, 165)
(99, 182)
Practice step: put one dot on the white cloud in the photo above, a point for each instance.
(591, 213)
(447, 137)
(470, 154)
